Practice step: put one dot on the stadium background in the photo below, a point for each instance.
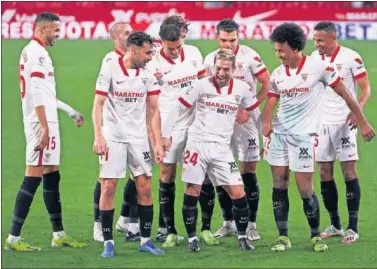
(77, 59)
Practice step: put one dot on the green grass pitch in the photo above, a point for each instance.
(76, 67)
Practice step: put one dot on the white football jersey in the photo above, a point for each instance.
(35, 62)
(301, 91)
(350, 67)
(178, 76)
(216, 108)
(124, 112)
(249, 64)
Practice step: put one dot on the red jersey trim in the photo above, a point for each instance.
(201, 72)
(335, 82)
(156, 92)
(184, 102)
(361, 75)
(335, 54)
(260, 72)
(117, 51)
(37, 74)
(101, 93)
(237, 49)
(250, 108)
(272, 94)
(39, 41)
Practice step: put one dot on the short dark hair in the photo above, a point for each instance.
(290, 33)
(170, 32)
(326, 26)
(139, 39)
(227, 25)
(46, 16)
(176, 20)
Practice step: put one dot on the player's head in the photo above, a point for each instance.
(325, 37)
(171, 40)
(178, 21)
(224, 66)
(119, 33)
(289, 40)
(47, 24)
(227, 34)
(140, 47)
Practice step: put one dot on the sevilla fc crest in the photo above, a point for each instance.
(239, 65)
(339, 67)
(304, 76)
(144, 80)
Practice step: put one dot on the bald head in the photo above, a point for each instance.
(119, 33)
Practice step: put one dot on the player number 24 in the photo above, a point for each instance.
(190, 157)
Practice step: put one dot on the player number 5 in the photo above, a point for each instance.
(22, 82)
(190, 157)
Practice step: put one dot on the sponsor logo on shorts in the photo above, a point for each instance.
(304, 154)
(147, 156)
(233, 167)
(252, 143)
(346, 143)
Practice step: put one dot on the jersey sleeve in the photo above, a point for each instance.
(38, 72)
(329, 75)
(249, 101)
(256, 64)
(357, 67)
(38, 66)
(191, 95)
(198, 58)
(208, 64)
(153, 87)
(273, 91)
(104, 78)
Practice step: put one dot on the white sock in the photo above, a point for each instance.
(241, 236)
(193, 238)
(98, 225)
(144, 240)
(111, 241)
(252, 225)
(133, 228)
(123, 220)
(13, 239)
(163, 230)
(229, 223)
(58, 235)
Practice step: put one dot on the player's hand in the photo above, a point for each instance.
(78, 118)
(159, 76)
(243, 116)
(367, 132)
(99, 146)
(158, 154)
(166, 143)
(352, 121)
(43, 140)
(267, 129)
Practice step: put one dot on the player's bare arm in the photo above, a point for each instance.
(43, 141)
(365, 93)
(99, 146)
(153, 113)
(264, 80)
(268, 115)
(367, 131)
(149, 129)
(76, 116)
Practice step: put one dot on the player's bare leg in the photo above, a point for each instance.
(330, 199)
(240, 213)
(24, 199)
(248, 173)
(106, 206)
(353, 200)
(190, 214)
(280, 203)
(304, 181)
(145, 206)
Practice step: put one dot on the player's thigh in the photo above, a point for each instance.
(195, 162)
(345, 142)
(50, 155)
(278, 150)
(245, 144)
(139, 159)
(323, 145)
(222, 168)
(174, 155)
(113, 164)
(301, 153)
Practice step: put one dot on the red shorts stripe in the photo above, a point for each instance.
(40, 158)
(156, 92)
(250, 108)
(101, 93)
(37, 74)
(361, 75)
(184, 102)
(335, 82)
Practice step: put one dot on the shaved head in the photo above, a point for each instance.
(119, 33)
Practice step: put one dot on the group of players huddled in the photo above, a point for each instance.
(157, 101)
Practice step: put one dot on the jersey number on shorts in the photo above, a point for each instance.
(52, 143)
(106, 155)
(190, 157)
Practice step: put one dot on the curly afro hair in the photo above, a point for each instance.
(290, 33)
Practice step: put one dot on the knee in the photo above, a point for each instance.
(349, 172)
(145, 192)
(326, 173)
(281, 183)
(108, 188)
(235, 192)
(167, 173)
(305, 188)
(193, 190)
(248, 167)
